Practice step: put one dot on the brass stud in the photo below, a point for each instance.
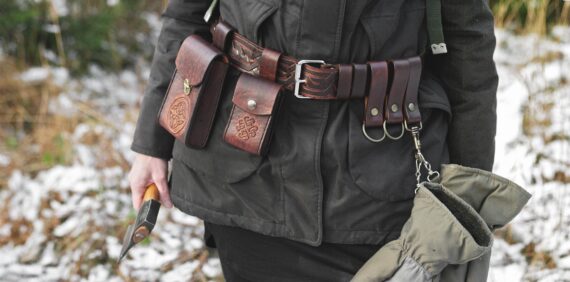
(394, 108)
(251, 104)
(411, 107)
(374, 111)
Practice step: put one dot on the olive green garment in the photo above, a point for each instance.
(497, 199)
(442, 230)
(322, 180)
(432, 229)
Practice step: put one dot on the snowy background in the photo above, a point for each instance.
(66, 222)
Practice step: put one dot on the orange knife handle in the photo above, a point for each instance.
(151, 193)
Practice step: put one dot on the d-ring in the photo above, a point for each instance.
(392, 137)
(370, 138)
(408, 129)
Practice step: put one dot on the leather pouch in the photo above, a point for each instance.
(255, 104)
(191, 101)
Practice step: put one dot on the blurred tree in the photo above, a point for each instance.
(536, 16)
(109, 34)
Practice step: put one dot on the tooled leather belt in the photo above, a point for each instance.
(389, 88)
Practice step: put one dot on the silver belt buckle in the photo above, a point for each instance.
(298, 80)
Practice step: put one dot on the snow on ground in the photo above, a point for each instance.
(67, 222)
(71, 219)
(534, 151)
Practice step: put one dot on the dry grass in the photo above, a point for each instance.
(531, 16)
(33, 138)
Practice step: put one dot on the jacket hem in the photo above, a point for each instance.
(264, 227)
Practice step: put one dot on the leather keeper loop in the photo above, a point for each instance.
(344, 81)
(401, 73)
(411, 107)
(221, 34)
(269, 63)
(359, 81)
(374, 102)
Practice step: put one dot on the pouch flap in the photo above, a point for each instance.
(255, 95)
(195, 57)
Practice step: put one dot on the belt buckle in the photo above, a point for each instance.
(298, 80)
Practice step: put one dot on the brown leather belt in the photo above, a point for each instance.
(390, 88)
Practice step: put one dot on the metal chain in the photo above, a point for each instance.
(420, 159)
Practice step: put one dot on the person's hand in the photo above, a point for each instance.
(144, 171)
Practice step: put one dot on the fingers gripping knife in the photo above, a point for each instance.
(146, 219)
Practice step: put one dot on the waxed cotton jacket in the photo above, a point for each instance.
(322, 180)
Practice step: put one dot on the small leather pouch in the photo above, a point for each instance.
(255, 104)
(191, 101)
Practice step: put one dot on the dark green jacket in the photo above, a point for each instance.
(322, 180)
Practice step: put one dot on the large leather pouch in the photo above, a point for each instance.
(191, 101)
(255, 105)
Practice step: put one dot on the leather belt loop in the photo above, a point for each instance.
(269, 63)
(397, 91)
(221, 34)
(411, 107)
(359, 81)
(374, 102)
(344, 81)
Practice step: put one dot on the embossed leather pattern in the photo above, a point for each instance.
(255, 104)
(325, 81)
(190, 104)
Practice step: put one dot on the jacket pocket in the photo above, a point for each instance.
(386, 170)
(219, 159)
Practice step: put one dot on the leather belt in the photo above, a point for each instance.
(308, 79)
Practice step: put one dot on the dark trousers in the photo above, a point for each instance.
(249, 256)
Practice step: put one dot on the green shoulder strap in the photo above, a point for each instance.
(435, 27)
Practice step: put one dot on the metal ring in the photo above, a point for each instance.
(392, 137)
(408, 129)
(370, 138)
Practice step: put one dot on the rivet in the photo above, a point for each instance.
(251, 104)
(374, 111)
(394, 108)
(411, 107)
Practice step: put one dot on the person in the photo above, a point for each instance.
(324, 198)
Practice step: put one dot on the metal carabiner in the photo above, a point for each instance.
(370, 138)
(390, 136)
(410, 129)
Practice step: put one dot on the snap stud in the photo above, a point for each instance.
(411, 107)
(251, 104)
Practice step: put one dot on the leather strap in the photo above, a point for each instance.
(220, 34)
(269, 64)
(401, 73)
(374, 103)
(344, 81)
(411, 108)
(359, 81)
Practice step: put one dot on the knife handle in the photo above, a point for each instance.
(151, 193)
